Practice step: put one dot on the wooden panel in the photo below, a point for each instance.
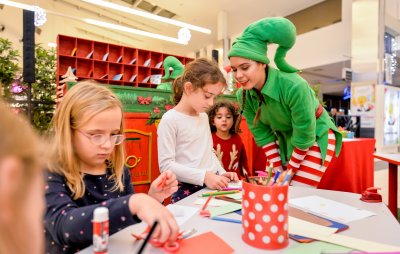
(143, 152)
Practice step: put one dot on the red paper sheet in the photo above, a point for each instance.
(208, 243)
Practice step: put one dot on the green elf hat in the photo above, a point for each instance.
(171, 61)
(253, 42)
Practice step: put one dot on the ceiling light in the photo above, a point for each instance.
(40, 14)
(18, 5)
(184, 34)
(148, 15)
(134, 31)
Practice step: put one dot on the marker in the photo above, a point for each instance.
(226, 219)
(262, 173)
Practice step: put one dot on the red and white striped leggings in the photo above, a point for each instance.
(311, 169)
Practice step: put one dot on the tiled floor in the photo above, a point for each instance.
(381, 180)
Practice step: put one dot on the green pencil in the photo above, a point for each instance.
(269, 172)
(218, 193)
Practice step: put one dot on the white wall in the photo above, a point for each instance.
(326, 45)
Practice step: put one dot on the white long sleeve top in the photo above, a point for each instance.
(185, 147)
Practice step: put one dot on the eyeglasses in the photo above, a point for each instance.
(100, 139)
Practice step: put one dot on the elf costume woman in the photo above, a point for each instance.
(283, 113)
(178, 68)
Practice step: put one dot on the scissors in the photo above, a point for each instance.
(168, 247)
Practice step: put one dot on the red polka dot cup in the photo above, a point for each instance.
(265, 216)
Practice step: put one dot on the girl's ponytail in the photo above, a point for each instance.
(177, 88)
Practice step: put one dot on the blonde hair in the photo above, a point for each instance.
(199, 72)
(82, 102)
(17, 138)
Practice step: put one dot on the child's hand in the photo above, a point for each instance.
(232, 176)
(150, 210)
(163, 186)
(215, 182)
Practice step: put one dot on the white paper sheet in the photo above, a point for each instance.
(182, 213)
(330, 209)
(237, 184)
(213, 202)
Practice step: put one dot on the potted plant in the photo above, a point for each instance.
(8, 66)
(44, 88)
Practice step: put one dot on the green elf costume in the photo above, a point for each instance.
(178, 69)
(285, 116)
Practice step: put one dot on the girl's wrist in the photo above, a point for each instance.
(134, 202)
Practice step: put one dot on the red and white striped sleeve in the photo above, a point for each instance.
(271, 150)
(296, 158)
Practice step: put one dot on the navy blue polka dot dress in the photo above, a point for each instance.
(68, 226)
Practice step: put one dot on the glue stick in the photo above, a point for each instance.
(100, 230)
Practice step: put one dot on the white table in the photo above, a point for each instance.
(381, 228)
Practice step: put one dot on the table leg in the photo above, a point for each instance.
(393, 189)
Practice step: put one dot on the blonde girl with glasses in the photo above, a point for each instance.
(184, 138)
(21, 186)
(86, 171)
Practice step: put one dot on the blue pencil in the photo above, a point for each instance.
(276, 176)
(287, 177)
(226, 219)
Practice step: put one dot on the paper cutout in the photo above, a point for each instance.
(326, 234)
(302, 227)
(146, 79)
(330, 209)
(299, 214)
(132, 78)
(117, 77)
(105, 56)
(73, 52)
(147, 62)
(89, 55)
(186, 211)
(158, 65)
(317, 248)
(207, 242)
(155, 79)
(224, 209)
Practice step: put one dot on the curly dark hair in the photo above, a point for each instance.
(212, 112)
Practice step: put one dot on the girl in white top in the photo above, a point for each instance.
(184, 136)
